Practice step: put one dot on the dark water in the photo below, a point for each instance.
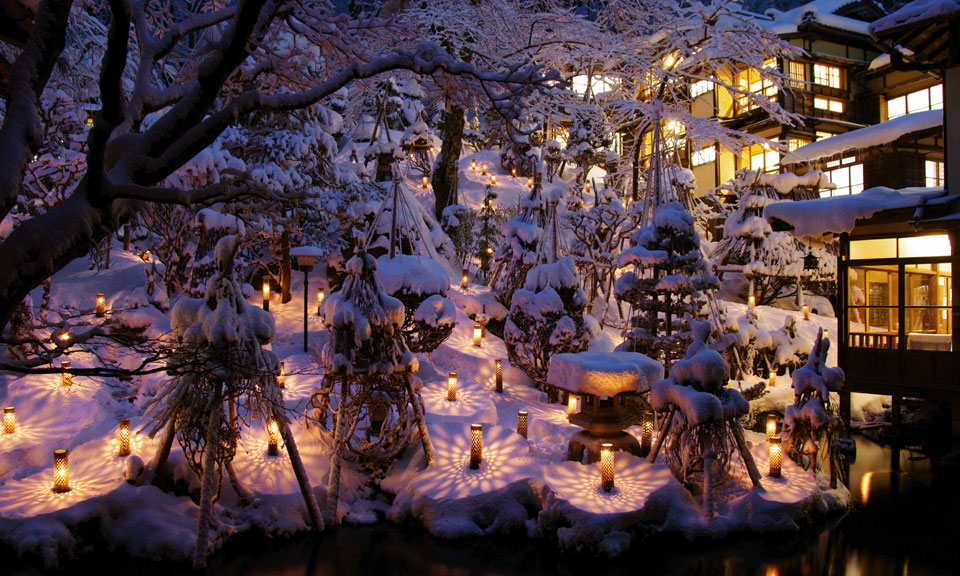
(904, 523)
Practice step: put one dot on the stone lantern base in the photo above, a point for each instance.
(585, 441)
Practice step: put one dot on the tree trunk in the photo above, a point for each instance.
(428, 451)
(306, 489)
(206, 484)
(163, 452)
(444, 173)
(333, 482)
(285, 295)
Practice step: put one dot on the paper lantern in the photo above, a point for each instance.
(123, 437)
(606, 466)
(522, 423)
(493, 180)
(771, 426)
(61, 471)
(320, 296)
(464, 278)
(9, 420)
(266, 294)
(498, 374)
(101, 305)
(773, 378)
(571, 404)
(282, 376)
(477, 334)
(646, 431)
(273, 436)
(752, 301)
(452, 387)
(476, 445)
(66, 377)
(806, 312)
(776, 455)
(426, 182)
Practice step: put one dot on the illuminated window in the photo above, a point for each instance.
(848, 179)
(828, 104)
(598, 85)
(826, 75)
(824, 135)
(751, 82)
(798, 74)
(934, 173)
(700, 88)
(760, 159)
(794, 143)
(927, 99)
(703, 156)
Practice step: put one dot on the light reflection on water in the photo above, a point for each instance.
(904, 523)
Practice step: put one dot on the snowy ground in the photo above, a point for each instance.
(523, 486)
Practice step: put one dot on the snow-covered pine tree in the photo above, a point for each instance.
(666, 285)
(486, 231)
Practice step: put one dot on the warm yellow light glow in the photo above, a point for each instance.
(425, 181)
(473, 164)
(61, 471)
(513, 172)
(924, 246)
(498, 369)
(476, 445)
(646, 431)
(9, 420)
(606, 466)
(320, 296)
(89, 121)
(464, 278)
(452, 387)
(493, 179)
(776, 455)
(586, 187)
(773, 378)
(101, 305)
(477, 335)
(572, 404)
(865, 485)
(826, 334)
(282, 375)
(669, 61)
(273, 436)
(64, 335)
(771, 426)
(522, 423)
(123, 437)
(266, 294)
(806, 312)
(483, 170)
(66, 377)
(146, 256)
(752, 301)
(489, 249)
(529, 182)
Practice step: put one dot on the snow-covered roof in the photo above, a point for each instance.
(876, 135)
(603, 373)
(914, 12)
(840, 213)
(820, 11)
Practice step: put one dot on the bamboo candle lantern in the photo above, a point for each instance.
(483, 170)
(513, 172)
(123, 437)
(320, 297)
(426, 182)
(572, 404)
(282, 376)
(9, 420)
(266, 294)
(806, 312)
(646, 431)
(522, 423)
(477, 334)
(493, 179)
(606, 466)
(464, 278)
(473, 164)
(476, 445)
(61, 471)
(826, 334)
(771, 426)
(773, 378)
(101, 305)
(776, 455)
(452, 387)
(752, 301)
(529, 182)
(587, 187)
(66, 377)
(273, 436)
(498, 374)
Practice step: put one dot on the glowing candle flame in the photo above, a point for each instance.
(273, 436)
(776, 455)
(101, 305)
(452, 387)
(123, 437)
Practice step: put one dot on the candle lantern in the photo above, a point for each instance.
(498, 370)
(606, 466)
(477, 334)
(282, 376)
(826, 334)
(473, 164)
(529, 182)
(273, 436)
(425, 182)
(9, 420)
(513, 172)
(64, 336)
(522, 423)
(320, 296)
(452, 387)
(483, 170)
(773, 378)
(464, 278)
(101, 305)
(266, 294)
(66, 377)
(123, 437)
(776, 455)
(493, 179)
(587, 187)
(771, 426)
(806, 312)
(752, 301)
(572, 404)
(476, 445)
(646, 431)
(61, 471)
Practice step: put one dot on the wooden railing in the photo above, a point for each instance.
(884, 341)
